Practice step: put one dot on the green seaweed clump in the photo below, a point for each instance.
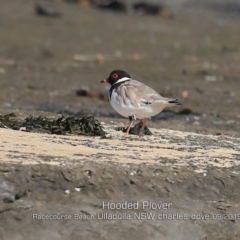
(76, 124)
(10, 121)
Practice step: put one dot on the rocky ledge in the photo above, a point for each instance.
(170, 185)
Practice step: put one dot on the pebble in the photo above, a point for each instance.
(196, 123)
(185, 94)
(196, 118)
(230, 122)
(77, 189)
(67, 192)
(210, 78)
(2, 70)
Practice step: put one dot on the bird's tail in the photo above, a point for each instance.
(173, 102)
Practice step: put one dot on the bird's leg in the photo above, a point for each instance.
(131, 118)
(143, 126)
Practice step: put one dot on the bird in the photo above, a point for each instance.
(135, 100)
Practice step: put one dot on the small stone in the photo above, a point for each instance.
(210, 78)
(185, 94)
(230, 122)
(67, 192)
(77, 189)
(2, 70)
(7, 197)
(196, 123)
(100, 59)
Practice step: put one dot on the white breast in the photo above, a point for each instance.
(119, 106)
(127, 110)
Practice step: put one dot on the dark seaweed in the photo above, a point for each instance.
(136, 129)
(76, 124)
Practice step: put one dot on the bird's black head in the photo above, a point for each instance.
(115, 76)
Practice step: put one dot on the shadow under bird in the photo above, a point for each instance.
(133, 99)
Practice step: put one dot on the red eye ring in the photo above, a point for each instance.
(115, 75)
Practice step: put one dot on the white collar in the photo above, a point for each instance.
(122, 80)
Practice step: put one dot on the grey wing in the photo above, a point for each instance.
(140, 94)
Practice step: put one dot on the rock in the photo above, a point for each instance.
(7, 197)
(136, 129)
(210, 78)
(151, 9)
(67, 192)
(46, 11)
(112, 5)
(185, 111)
(77, 189)
(86, 92)
(185, 94)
